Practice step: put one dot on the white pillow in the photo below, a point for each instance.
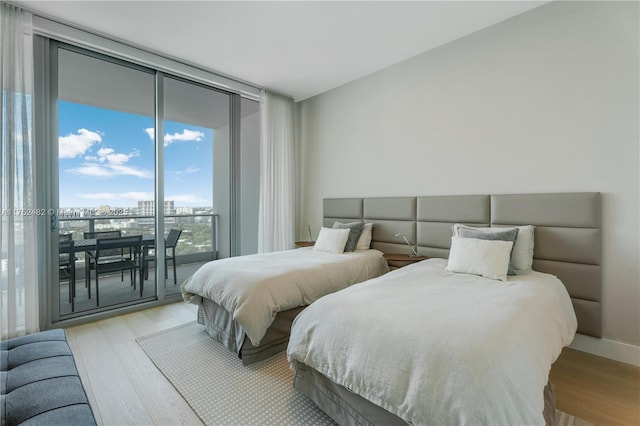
(522, 256)
(488, 258)
(332, 240)
(364, 242)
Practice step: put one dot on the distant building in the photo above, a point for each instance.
(103, 210)
(148, 208)
(184, 210)
(130, 224)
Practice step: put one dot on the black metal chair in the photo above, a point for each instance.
(67, 263)
(113, 253)
(131, 259)
(170, 245)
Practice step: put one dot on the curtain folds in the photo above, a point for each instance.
(277, 173)
(18, 274)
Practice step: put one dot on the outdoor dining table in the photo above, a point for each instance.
(89, 244)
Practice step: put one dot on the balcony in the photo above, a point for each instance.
(197, 245)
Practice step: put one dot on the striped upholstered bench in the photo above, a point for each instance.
(39, 383)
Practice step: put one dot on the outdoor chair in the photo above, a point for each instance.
(115, 253)
(170, 255)
(103, 262)
(67, 263)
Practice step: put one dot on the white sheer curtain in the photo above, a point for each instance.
(18, 276)
(277, 173)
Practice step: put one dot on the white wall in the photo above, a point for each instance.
(547, 101)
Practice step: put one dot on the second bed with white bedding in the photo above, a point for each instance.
(437, 347)
(254, 289)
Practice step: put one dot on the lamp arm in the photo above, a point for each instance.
(414, 253)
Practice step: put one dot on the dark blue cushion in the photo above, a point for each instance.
(39, 382)
(70, 415)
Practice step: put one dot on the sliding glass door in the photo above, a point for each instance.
(139, 155)
(105, 169)
(197, 181)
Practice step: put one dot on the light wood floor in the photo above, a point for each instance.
(596, 389)
(125, 388)
(123, 385)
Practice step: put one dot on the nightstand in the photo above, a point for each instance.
(398, 260)
(304, 243)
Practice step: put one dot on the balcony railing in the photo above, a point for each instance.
(198, 241)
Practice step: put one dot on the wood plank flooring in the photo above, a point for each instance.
(596, 389)
(123, 385)
(125, 388)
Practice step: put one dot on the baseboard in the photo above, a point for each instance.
(611, 349)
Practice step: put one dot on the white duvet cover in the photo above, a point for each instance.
(255, 288)
(441, 348)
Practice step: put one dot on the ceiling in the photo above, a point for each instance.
(299, 48)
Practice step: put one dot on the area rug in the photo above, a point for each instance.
(219, 388)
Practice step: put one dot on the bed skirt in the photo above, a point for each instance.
(221, 326)
(348, 408)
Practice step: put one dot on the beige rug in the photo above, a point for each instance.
(218, 387)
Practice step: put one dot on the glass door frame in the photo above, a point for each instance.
(54, 182)
(47, 175)
(159, 185)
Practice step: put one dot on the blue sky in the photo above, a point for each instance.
(107, 157)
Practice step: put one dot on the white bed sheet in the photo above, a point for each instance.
(437, 347)
(255, 288)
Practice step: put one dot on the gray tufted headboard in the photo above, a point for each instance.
(567, 233)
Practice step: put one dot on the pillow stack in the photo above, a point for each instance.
(493, 253)
(344, 237)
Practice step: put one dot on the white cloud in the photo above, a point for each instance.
(187, 199)
(102, 152)
(119, 169)
(76, 144)
(141, 196)
(114, 196)
(119, 158)
(110, 170)
(111, 163)
(92, 170)
(186, 136)
(110, 156)
(99, 196)
(187, 171)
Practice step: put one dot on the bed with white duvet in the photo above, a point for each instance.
(248, 302)
(432, 347)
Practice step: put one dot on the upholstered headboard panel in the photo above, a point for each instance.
(567, 244)
(341, 210)
(390, 215)
(437, 214)
(567, 235)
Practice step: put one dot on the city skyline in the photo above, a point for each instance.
(114, 210)
(107, 157)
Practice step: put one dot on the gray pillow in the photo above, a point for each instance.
(355, 229)
(509, 235)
